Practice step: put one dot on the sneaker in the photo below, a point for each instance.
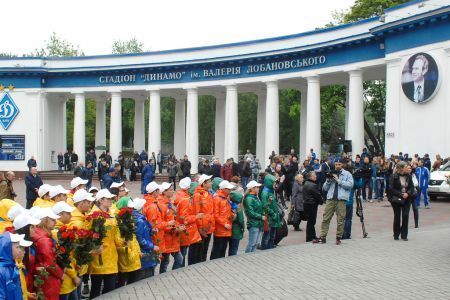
(396, 238)
(427, 207)
(321, 240)
(405, 239)
(338, 241)
(370, 201)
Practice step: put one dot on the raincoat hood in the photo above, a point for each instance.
(5, 205)
(268, 181)
(236, 197)
(194, 186)
(6, 249)
(122, 202)
(215, 183)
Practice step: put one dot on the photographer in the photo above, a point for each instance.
(338, 186)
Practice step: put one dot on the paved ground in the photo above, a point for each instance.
(374, 268)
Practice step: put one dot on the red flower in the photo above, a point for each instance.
(65, 235)
(62, 249)
(95, 235)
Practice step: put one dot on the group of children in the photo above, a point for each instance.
(164, 225)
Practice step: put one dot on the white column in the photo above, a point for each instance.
(272, 121)
(64, 125)
(79, 134)
(179, 137)
(313, 133)
(219, 132)
(356, 111)
(192, 128)
(261, 127)
(154, 124)
(346, 111)
(139, 124)
(115, 128)
(231, 123)
(303, 151)
(447, 131)
(393, 97)
(100, 124)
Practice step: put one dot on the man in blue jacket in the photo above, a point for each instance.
(148, 174)
(423, 175)
(32, 184)
(108, 178)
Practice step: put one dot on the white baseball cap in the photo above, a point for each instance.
(81, 195)
(164, 186)
(20, 238)
(185, 183)
(25, 219)
(62, 206)
(77, 181)
(116, 185)
(46, 213)
(225, 184)
(131, 203)
(104, 194)
(252, 184)
(93, 188)
(56, 190)
(14, 211)
(138, 203)
(151, 187)
(44, 189)
(203, 178)
(32, 211)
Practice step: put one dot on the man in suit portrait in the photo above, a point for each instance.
(420, 88)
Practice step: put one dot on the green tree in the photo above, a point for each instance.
(58, 47)
(130, 46)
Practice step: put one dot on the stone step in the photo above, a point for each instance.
(57, 175)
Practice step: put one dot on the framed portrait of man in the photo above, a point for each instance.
(420, 78)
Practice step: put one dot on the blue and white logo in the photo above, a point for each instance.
(8, 110)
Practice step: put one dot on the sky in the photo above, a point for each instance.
(161, 25)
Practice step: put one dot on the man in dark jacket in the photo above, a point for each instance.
(32, 184)
(186, 167)
(311, 200)
(297, 199)
(245, 172)
(235, 167)
(148, 174)
(67, 166)
(108, 178)
(216, 167)
(366, 174)
(31, 163)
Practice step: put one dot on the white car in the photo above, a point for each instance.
(439, 183)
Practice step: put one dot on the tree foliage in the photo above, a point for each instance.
(130, 46)
(57, 47)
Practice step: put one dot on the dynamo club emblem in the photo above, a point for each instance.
(8, 110)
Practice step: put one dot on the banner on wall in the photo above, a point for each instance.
(12, 147)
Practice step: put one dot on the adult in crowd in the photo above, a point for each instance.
(366, 174)
(216, 168)
(244, 171)
(32, 183)
(172, 171)
(238, 226)
(437, 163)
(226, 172)
(253, 209)
(338, 187)
(6, 186)
(73, 159)
(256, 169)
(160, 161)
(60, 161)
(92, 157)
(411, 170)
(31, 163)
(297, 202)
(273, 216)
(381, 175)
(185, 167)
(67, 165)
(148, 174)
(423, 176)
(312, 198)
(401, 193)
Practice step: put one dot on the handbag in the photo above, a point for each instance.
(291, 216)
(397, 200)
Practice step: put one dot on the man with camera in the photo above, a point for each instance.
(338, 186)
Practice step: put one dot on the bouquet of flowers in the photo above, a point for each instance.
(98, 219)
(125, 222)
(65, 245)
(83, 246)
(39, 280)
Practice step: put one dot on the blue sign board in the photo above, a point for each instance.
(8, 110)
(12, 147)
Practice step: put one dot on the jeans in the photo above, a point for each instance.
(219, 248)
(379, 183)
(178, 261)
(70, 296)
(268, 239)
(401, 218)
(233, 246)
(142, 188)
(254, 234)
(128, 278)
(183, 251)
(108, 280)
(195, 253)
(367, 182)
(425, 197)
(348, 222)
(416, 213)
(244, 181)
(311, 215)
(173, 180)
(127, 174)
(205, 246)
